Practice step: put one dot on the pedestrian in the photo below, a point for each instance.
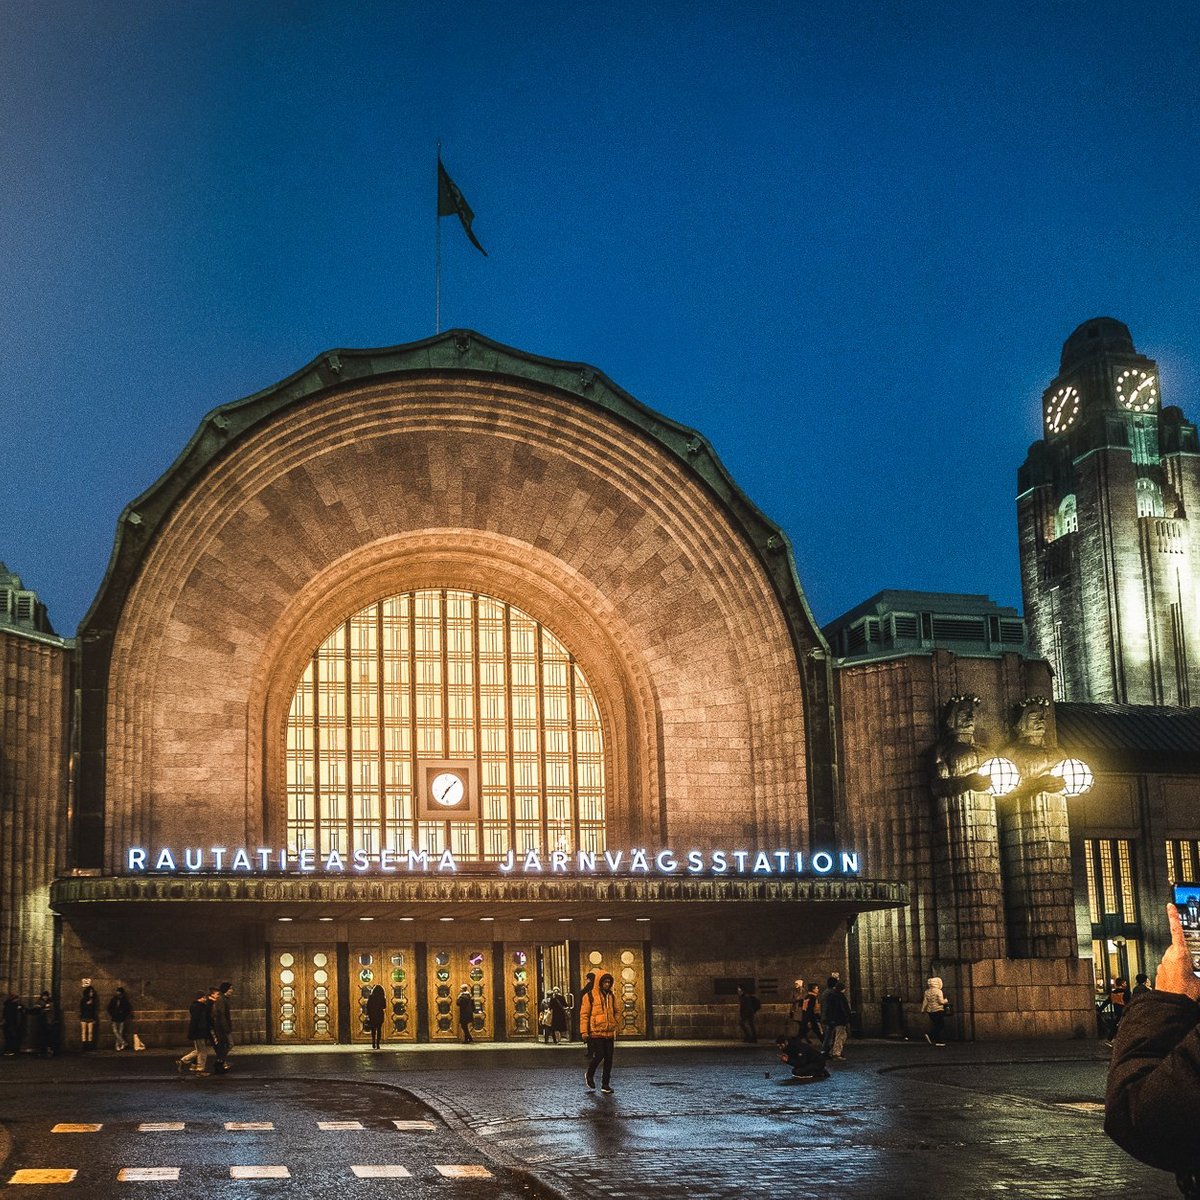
(806, 1063)
(558, 1015)
(810, 1020)
(835, 1016)
(376, 1007)
(748, 1006)
(1153, 1098)
(222, 1023)
(1142, 985)
(589, 982)
(1120, 996)
(14, 1024)
(598, 1020)
(49, 1034)
(934, 1003)
(200, 1034)
(466, 1012)
(796, 1007)
(119, 1012)
(544, 1019)
(89, 1010)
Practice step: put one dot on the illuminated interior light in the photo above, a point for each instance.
(1004, 775)
(445, 918)
(366, 918)
(283, 918)
(1076, 775)
(524, 919)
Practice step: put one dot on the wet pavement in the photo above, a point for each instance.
(896, 1120)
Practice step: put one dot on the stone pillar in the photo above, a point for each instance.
(1039, 904)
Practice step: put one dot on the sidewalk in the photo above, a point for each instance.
(718, 1119)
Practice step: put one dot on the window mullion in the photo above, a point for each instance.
(477, 721)
(540, 732)
(508, 730)
(573, 750)
(348, 701)
(316, 710)
(379, 724)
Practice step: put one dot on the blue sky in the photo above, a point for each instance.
(844, 241)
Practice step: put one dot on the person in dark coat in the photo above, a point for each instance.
(1152, 1104)
(835, 1015)
(49, 1035)
(558, 1015)
(89, 1010)
(1142, 985)
(376, 1007)
(200, 1034)
(14, 1025)
(806, 1063)
(748, 1006)
(810, 1016)
(222, 1023)
(119, 1012)
(466, 1012)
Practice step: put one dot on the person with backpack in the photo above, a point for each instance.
(748, 1006)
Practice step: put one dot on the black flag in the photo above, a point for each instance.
(451, 202)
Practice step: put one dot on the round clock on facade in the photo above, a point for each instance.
(447, 789)
(1137, 390)
(1061, 409)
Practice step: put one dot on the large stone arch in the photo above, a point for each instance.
(616, 529)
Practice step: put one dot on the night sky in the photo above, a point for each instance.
(845, 242)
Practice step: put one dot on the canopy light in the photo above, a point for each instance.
(1075, 774)
(1004, 775)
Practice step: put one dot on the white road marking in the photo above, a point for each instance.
(68, 1127)
(463, 1172)
(259, 1173)
(144, 1174)
(248, 1126)
(160, 1127)
(339, 1125)
(43, 1175)
(382, 1172)
(413, 1124)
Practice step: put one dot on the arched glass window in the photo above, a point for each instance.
(434, 675)
(1149, 498)
(1066, 520)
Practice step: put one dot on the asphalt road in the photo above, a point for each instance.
(176, 1137)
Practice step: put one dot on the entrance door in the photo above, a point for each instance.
(623, 961)
(389, 967)
(447, 968)
(304, 995)
(520, 982)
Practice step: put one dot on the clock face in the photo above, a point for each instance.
(1137, 390)
(447, 789)
(1061, 409)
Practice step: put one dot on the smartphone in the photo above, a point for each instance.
(1187, 900)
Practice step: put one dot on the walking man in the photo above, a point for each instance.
(222, 1023)
(748, 1006)
(466, 1012)
(199, 1034)
(598, 1023)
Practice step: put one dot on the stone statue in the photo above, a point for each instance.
(957, 757)
(1027, 749)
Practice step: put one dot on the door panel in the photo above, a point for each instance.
(392, 968)
(304, 993)
(447, 968)
(623, 961)
(520, 991)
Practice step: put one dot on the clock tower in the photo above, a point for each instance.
(1108, 510)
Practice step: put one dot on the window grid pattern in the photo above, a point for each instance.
(443, 674)
(1183, 861)
(1109, 862)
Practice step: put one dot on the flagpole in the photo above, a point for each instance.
(437, 320)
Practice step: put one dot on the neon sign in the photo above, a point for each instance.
(222, 860)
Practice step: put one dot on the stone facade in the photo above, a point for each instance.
(1109, 538)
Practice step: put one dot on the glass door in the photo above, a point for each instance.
(304, 996)
(448, 968)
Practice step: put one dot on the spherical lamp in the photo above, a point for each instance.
(1076, 775)
(1003, 773)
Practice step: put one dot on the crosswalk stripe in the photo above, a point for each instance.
(413, 1124)
(259, 1173)
(470, 1171)
(143, 1174)
(382, 1172)
(70, 1127)
(160, 1127)
(330, 1125)
(43, 1175)
(248, 1126)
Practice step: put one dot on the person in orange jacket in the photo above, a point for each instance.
(598, 1023)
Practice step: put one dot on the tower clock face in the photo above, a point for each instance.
(1061, 409)
(447, 789)
(1137, 390)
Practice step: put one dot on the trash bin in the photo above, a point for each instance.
(893, 1017)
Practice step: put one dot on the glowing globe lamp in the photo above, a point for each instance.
(1003, 773)
(1075, 774)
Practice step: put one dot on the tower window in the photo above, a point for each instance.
(1066, 520)
(1149, 498)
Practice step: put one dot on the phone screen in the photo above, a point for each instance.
(1187, 900)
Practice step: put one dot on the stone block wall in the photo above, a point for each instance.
(34, 698)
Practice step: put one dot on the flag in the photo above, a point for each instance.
(451, 201)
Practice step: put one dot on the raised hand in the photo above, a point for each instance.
(1175, 972)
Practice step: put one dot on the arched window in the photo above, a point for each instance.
(1066, 520)
(1149, 498)
(436, 675)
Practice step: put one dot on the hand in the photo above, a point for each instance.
(1175, 972)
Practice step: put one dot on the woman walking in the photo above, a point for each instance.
(936, 1005)
(376, 1005)
(598, 1020)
